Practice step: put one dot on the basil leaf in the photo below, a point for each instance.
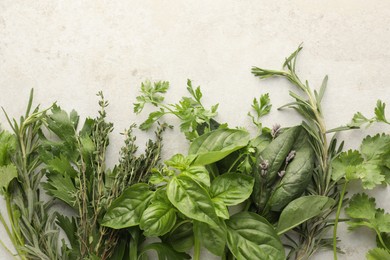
(191, 199)
(158, 219)
(199, 174)
(250, 236)
(212, 238)
(215, 145)
(232, 188)
(181, 238)
(127, 209)
(164, 252)
(220, 208)
(302, 209)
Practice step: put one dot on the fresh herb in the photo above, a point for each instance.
(184, 193)
(77, 175)
(363, 213)
(359, 119)
(32, 228)
(195, 118)
(311, 234)
(262, 107)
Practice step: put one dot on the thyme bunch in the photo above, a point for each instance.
(78, 176)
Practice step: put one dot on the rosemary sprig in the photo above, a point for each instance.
(32, 228)
(312, 233)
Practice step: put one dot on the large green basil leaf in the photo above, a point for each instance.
(181, 238)
(158, 219)
(232, 188)
(191, 199)
(199, 174)
(302, 209)
(212, 238)
(215, 145)
(250, 236)
(295, 180)
(164, 252)
(127, 209)
(220, 208)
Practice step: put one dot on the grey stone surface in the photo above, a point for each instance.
(68, 50)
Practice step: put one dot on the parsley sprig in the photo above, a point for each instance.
(195, 118)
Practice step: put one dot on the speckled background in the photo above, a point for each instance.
(69, 50)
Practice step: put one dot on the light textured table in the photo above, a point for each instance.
(68, 50)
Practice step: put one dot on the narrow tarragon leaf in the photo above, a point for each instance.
(191, 199)
(127, 209)
(250, 236)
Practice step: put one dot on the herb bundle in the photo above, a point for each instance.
(236, 195)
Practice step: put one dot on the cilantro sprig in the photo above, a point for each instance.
(363, 212)
(380, 116)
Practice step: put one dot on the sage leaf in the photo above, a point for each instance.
(302, 209)
(127, 209)
(250, 236)
(295, 180)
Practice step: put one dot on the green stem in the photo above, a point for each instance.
(196, 248)
(336, 221)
